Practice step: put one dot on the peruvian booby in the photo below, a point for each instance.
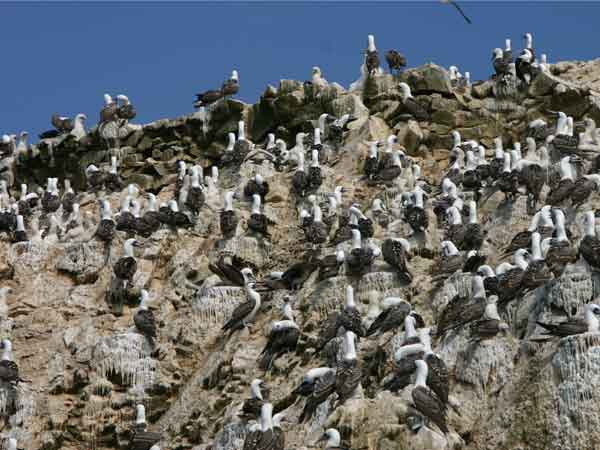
(125, 218)
(257, 221)
(426, 400)
(141, 438)
(395, 60)
(361, 258)
(395, 310)
(256, 185)
(565, 186)
(510, 276)
(365, 224)
(415, 213)
(437, 373)
(300, 181)
(558, 251)
(371, 165)
(144, 318)
(20, 234)
(315, 176)
(462, 310)
(106, 227)
(371, 56)
(330, 265)
(317, 386)
(410, 105)
(228, 219)
(231, 86)
(350, 317)
(9, 370)
(589, 247)
(588, 324)
(332, 439)
(95, 178)
(252, 406)
(450, 261)
(246, 311)
(524, 66)
(196, 197)
(112, 180)
(283, 338)
(396, 252)
(126, 266)
(349, 372)
(490, 324)
(537, 272)
(207, 97)
(126, 111)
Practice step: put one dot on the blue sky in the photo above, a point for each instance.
(61, 57)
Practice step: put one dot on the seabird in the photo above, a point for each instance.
(195, 195)
(227, 218)
(426, 400)
(510, 276)
(583, 187)
(207, 97)
(141, 438)
(20, 234)
(415, 213)
(589, 247)
(112, 180)
(403, 365)
(462, 310)
(349, 373)
(396, 252)
(558, 251)
(106, 228)
(242, 146)
(589, 323)
(371, 56)
(256, 185)
(126, 111)
(300, 179)
(283, 338)
(365, 225)
(437, 373)
(231, 86)
(360, 259)
(317, 232)
(252, 406)
(458, 8)
(412, 107)
(246, 311)
(9, 370)
(350, 317)
(395, 311)
(144, 319)
(125, 218)
(524, 66)
(315, 177)
(396, 61)
(258, 222)
(390, 173)
(95, 178)
(450, 261)
(537, 272)
(332, 439)
(371, 165)
(565, 186)
(330, 265)
(490, 324)
(125, 268)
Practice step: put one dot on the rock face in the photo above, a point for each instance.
(88, 366)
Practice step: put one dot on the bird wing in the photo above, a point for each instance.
(428, 404)
(459, 9)
(240, 313)
(437, 376)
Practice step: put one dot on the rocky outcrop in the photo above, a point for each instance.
(88, 366)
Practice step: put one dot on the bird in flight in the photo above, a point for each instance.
(458, 8)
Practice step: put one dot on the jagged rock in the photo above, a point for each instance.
(410, 137)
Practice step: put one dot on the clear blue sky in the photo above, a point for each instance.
(61, 57)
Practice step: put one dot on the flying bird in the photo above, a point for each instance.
(458, 8)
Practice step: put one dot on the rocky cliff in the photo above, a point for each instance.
(87, 367)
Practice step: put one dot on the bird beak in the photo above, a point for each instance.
(137, 244)
(321, 439)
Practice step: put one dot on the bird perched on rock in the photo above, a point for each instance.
(396, 61)
(144, 318)
(231, 86)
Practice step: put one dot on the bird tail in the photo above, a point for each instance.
(266, 361)
(546, 326)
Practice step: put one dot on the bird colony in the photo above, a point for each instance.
(410, 263)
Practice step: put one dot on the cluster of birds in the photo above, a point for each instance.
(560, 169)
